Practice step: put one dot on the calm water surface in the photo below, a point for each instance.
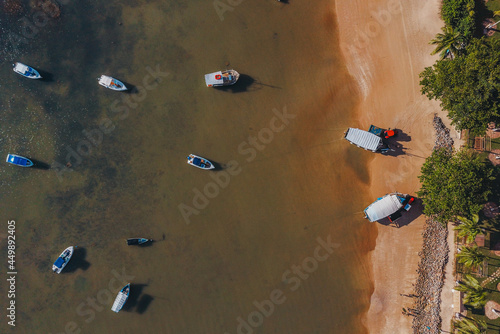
(284, 181)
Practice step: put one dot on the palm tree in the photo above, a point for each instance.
(471, 326)
(470, 257)
(469, 228)
(474, 294)
(448, 41)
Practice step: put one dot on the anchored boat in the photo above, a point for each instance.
(121, 298)
(26, 71)
(199, 162)
(221, 78)
(371, 140)
(391, 206)
(62, 260)
(19, 160)
(137, 241)
(111, 83)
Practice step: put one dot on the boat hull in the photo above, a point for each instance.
(63, 260)
(26, 71)
(121, 298)
(221, 78)
(199, 162)
(137, 241)
(112, 83)
(18, 160)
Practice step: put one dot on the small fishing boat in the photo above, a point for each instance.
(19, 160)
(111, 83)
(121, 298)
(137, 241)
(63, 260)
(26, 71)
(391, 206)
(221, 78)
(199, 162)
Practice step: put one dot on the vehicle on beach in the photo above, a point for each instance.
(371, 140)
(391, 206)
(26, 71)
(137, 241)
(199, 162)
(111, 83)
(63, 260)
(221, 78)
(19, 160)
(121, 298)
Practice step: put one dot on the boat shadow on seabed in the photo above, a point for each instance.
(77, 261)
(395, 146)
(242, 85)
(39, 164)
(137, 301)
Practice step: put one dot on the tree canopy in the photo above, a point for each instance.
(454, 184)
(468, 86)
(447, 42)
(460, 15)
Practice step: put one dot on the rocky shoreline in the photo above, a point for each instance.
(433, 259)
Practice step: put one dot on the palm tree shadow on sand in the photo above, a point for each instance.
(77, 261)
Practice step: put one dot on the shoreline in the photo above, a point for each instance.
(386, 46)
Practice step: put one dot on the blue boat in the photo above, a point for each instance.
(137, 241)
(63, 260)
(18, 160)
(199, 162)
(26, 71)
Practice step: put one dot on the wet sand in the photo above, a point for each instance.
(386, 46)
(255, 235)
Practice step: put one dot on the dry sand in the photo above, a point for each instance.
(386, 46)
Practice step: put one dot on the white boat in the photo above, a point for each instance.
(390, 205)
(365, 139)
(221, 78)
(26, 71)
(111, 83)
(199, 162)
(121, 298)
(63, 260)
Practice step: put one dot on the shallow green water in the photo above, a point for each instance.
(264, 210)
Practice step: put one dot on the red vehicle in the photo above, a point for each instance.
(390, 133)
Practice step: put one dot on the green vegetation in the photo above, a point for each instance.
(454, 184)
(471, 257)
(468, 86)
(468, 228)
(460, 15)
(474, 293)
(450, 41)
(471, 326)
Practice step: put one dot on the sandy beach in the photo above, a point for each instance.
(386, 46)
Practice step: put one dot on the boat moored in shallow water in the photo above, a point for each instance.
(137, 241)
(111, 83)
(121, 298)
(19, 160)
(26, 71)
(199, 162)
(63, 260)
(221, 78)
